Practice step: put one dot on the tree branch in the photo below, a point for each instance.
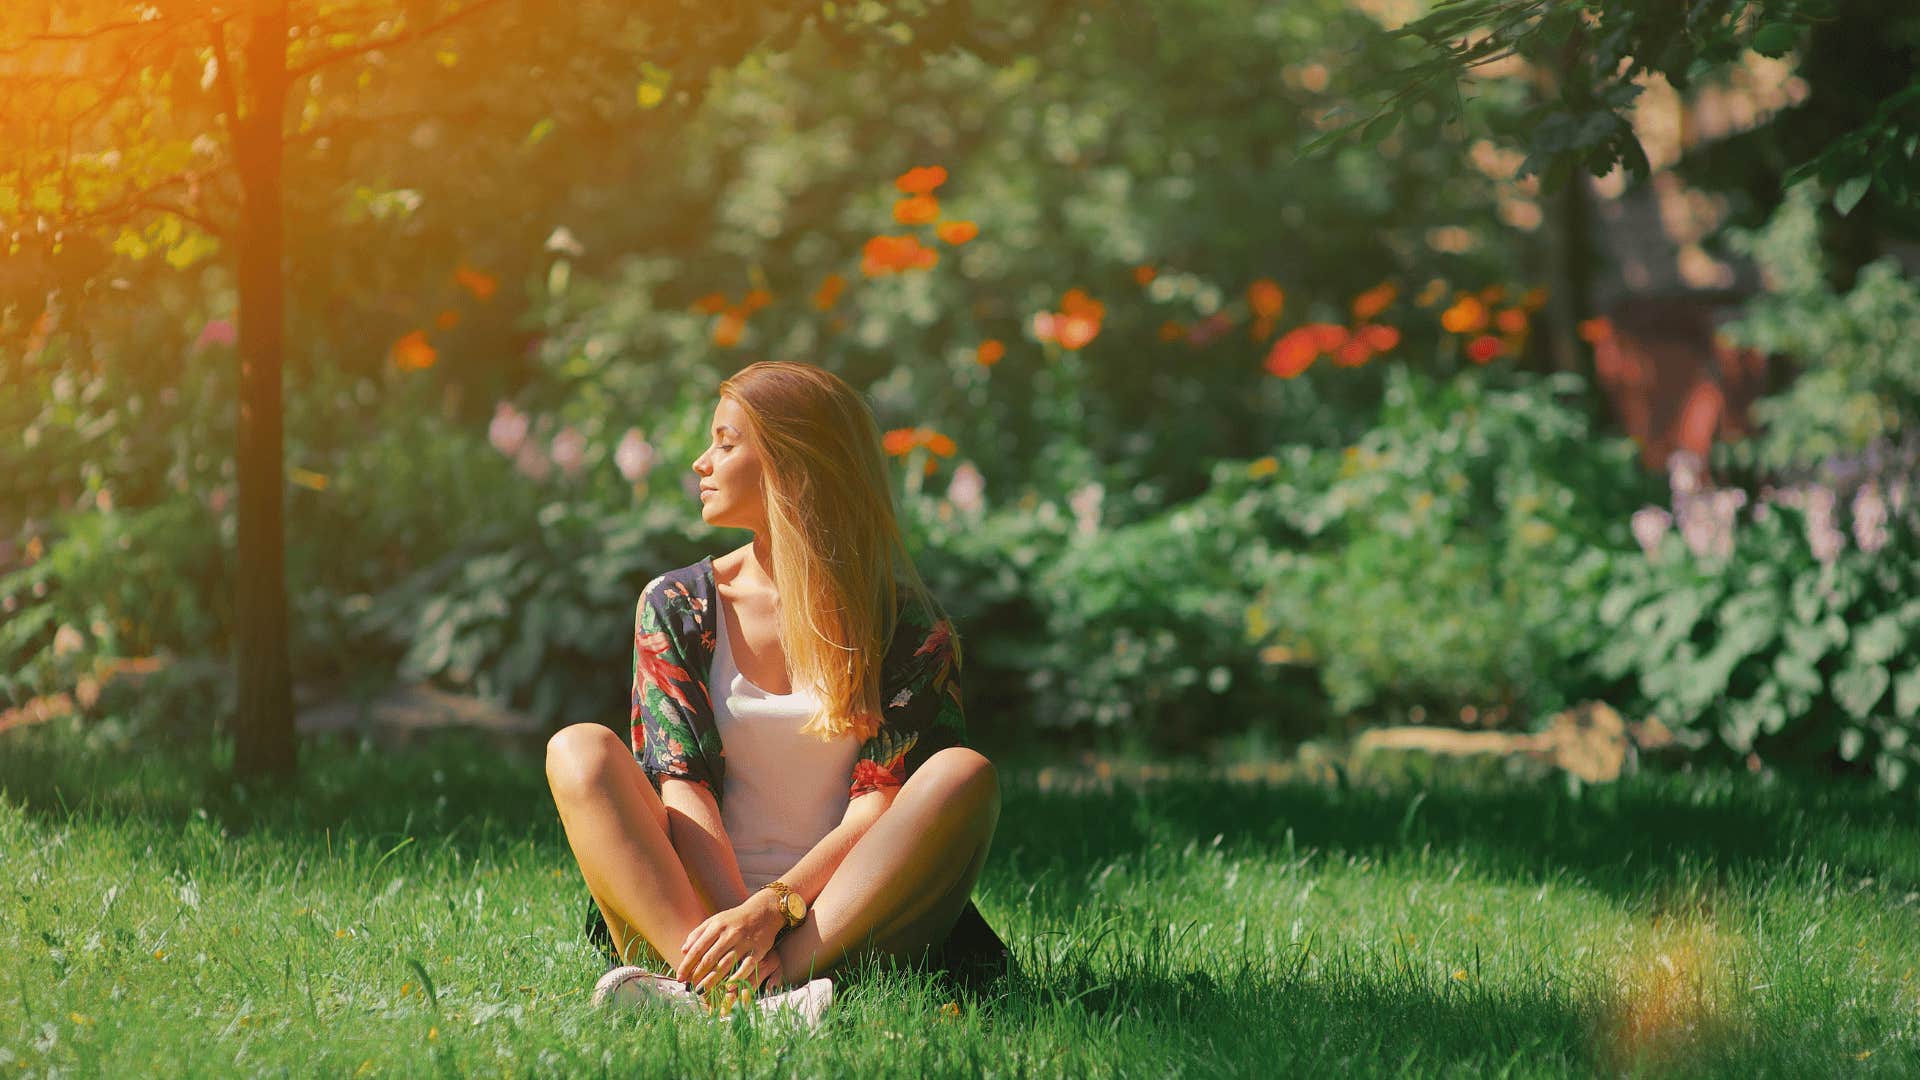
(389, 41)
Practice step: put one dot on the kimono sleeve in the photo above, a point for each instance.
(670, 706)
(920, 706)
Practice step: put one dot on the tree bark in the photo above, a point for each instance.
(264, 743)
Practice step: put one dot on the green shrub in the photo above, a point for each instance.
(1777, 634)
(1444, 559)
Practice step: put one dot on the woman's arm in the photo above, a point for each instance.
(747, 928)
(694, 826)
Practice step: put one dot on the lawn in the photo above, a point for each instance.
(400, 913)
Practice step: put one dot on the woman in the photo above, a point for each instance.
(845, 816)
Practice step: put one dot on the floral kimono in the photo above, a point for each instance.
(674, 734)
(673, 731)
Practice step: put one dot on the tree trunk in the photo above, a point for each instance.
(263, 729)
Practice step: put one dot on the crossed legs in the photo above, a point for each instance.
(897, 891)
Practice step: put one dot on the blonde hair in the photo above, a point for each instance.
(838, 555)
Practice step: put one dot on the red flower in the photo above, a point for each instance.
(1484, 348)
(1294, 353)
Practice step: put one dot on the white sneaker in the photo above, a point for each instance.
(636, 987)
(802, 1005)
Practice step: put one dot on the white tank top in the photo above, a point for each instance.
(784, 790)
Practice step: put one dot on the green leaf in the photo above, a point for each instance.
(1849, 193)
(1852, 741)
(1906, 695)
(1879, 640)
(1380, 127)
(1859, 689)
(1775, 39)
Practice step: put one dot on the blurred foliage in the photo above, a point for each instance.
(1074, 247)
(1441, 561)
(1858, 381)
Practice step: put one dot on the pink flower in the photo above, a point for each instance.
(634, 456)
(532, 463)
(508, 430)
(216, 332)
(1085, 502)
(1650, 525)
(1869, 518)
(966, 489)
(570, 450)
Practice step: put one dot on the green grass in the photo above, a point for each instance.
(409, 913)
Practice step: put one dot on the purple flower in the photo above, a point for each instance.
(508, 431)
(634, 456)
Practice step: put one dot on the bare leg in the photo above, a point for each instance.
(903, 885)
(618, 830)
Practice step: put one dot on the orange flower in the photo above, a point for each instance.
(1294, 353)
(1143, 275)
(413, 353)
(726, 332)
(1493, 294)
(1374, 301)
(940, 444)
(1260, 329)
(1431, 293)
(921, 180)
(1076, 331)
(1265, 298)
(1467, 316)
(989, 352)
(1534, 299)
(932, 464)
(893, 254)
(478, 282)
(900, 440)
(956, 232)
(1484, 348)
(1379, 337)
(711, 304)
(1077, 302)
(1596, 330)
(1352, 353)
(754, 301)
(829, 291)
(916, 210)
(447, 319)
(1171, 330)
(1511, 321)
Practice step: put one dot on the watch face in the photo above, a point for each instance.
(796, 907)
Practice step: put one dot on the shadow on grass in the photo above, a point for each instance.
(1632, 839)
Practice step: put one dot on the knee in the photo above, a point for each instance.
(581, 757)
(966, 778)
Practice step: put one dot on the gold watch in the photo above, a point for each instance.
(793, 906)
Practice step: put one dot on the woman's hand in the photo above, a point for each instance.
(730, 940)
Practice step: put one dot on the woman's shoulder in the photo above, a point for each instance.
(686, 588)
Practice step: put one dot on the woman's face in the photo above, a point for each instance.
(729, 473)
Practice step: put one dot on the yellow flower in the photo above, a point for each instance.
(1460, 975)
(1264, 466)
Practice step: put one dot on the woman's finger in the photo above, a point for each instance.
(697, 944)
(715, 969)
(724, 945)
